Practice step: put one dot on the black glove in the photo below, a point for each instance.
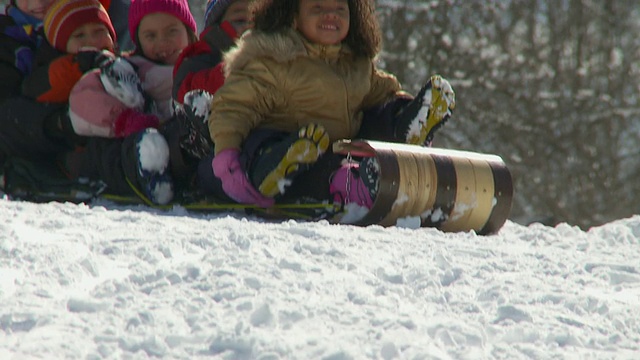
(93, 59)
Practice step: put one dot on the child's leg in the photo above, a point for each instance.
(280, 158)
(182, 165)
(334, 178)
(208, 183)
(23, 130)
(135, 165)
(417, 122)
(145, 159)
(314, 183)
(101, 159)
(193, 117)
(379, 122)
(355, 183)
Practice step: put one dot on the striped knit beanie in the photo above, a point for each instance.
(142, 8)
(65, 16)
(215, 11)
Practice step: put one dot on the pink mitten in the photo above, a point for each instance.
(130, 121)
(226, 166)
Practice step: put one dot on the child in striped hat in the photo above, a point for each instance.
(102, 89)
(69, 27)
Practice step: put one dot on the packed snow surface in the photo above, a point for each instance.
(113, 282)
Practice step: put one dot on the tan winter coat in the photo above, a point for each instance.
(281, 81)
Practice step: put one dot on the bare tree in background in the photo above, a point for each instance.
(549, 85)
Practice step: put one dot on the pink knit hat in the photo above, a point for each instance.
(141, 8)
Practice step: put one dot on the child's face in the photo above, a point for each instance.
(35, 8)
(90, 35)
(237, 14)
(324, 22)
(162, 37)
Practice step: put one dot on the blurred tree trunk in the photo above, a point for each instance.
(549, 85)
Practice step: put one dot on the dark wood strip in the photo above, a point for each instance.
(445, 193)
(504, 198)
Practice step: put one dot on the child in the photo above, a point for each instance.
(104, 92)
(138, 163)
(69, 26)
(160, 30)
(198, 73)
(20, 36)
(42, 109)
(225, 21)
(298, 81)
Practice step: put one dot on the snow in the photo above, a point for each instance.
(109, 282)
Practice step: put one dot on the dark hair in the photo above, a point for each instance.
(363, 38)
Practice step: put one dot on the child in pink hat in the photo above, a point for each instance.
(138, 165)
(160, 29)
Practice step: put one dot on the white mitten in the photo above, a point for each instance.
(120, 79)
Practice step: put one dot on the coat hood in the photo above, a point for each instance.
(281, 47)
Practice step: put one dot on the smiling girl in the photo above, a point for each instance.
(138, 163)
(296, 82)
(160, 29)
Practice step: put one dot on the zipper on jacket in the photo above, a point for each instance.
(323, 52)
(345, 87)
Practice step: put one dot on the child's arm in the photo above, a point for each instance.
(11, 81)
(194, 63)
(17, 59)
(156, 82)
(384, 87)
(53, 82)
(240, 105)
(91, 109)
(210, 80)
(94, 112)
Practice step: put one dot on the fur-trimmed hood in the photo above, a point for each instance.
(281, 47)
(282, 82)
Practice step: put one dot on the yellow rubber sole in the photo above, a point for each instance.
(442, 102)
(313, 141)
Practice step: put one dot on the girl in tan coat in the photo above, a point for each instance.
(296, 82)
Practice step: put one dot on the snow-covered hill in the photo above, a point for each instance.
(111, 283)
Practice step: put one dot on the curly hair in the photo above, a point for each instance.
(364, 37)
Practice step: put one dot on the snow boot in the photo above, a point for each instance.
(430, 109)
(195, 139)
(277, 165)
(153, 177)
(43, 181)
(355, 183)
